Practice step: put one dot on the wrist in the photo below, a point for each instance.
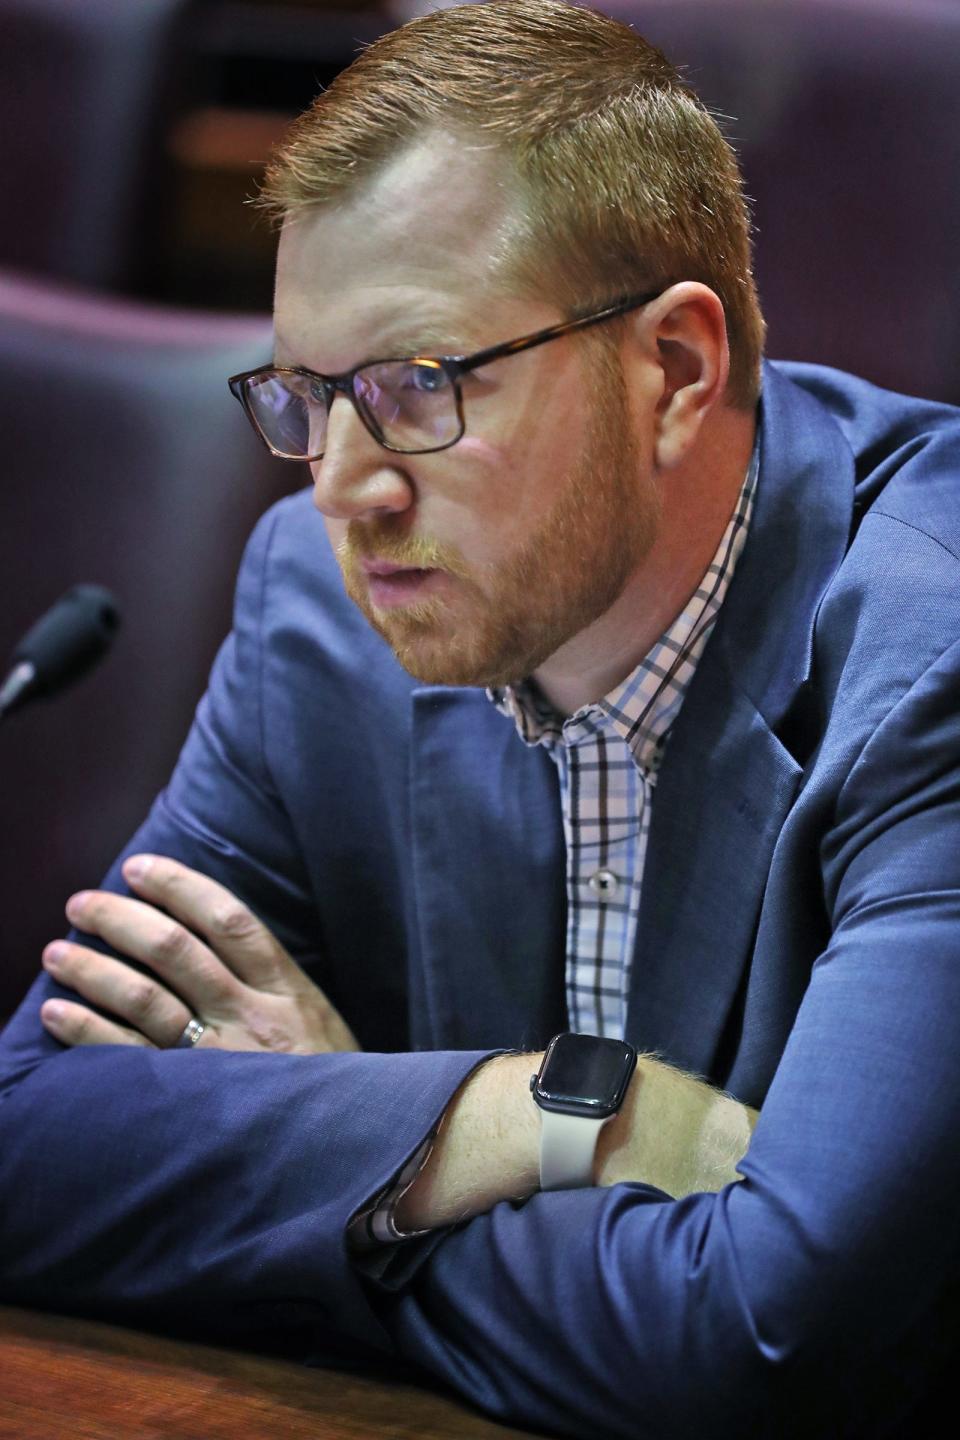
(581, 1084)
(618, 1136)
(487, 1149)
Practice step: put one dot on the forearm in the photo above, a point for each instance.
(674, 1133)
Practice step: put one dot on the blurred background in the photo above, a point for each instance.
(134, 280)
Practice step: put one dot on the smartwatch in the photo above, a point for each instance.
(579, 1087)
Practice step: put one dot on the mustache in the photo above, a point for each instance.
(371, 542)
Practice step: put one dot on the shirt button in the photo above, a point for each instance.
(604, 883)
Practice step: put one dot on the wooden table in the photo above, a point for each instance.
(61, 1378)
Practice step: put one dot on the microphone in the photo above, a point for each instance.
(64, 644)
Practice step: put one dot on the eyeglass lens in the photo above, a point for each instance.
(410, 404)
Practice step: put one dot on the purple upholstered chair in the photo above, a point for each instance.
(84, 89)
(846, 114)
(126, 462)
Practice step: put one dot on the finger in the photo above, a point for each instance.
(230, 927)
(75, 1025)
(141, 931)
(148, 1007)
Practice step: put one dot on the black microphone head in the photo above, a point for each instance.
(70, 638)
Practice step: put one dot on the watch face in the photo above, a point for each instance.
(585, 1074)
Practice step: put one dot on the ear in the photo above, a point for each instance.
(685, 339)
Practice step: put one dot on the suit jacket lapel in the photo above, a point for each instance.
(729, 778)
(489, 878)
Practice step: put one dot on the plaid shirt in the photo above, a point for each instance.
(607, 757)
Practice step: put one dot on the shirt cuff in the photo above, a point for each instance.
(376, 1225)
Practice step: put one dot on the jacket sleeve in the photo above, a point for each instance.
(818, 1295)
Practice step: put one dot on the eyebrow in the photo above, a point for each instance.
(425, 341)
(429, 339)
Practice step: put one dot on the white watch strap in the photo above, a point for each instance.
(567, 1145)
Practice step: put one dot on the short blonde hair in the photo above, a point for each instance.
(626, 181)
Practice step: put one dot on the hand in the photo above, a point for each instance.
(214, 960)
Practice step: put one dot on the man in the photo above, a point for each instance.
(710, 805)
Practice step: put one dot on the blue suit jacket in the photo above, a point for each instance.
(799, 944)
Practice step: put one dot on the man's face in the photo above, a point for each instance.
(523, 533)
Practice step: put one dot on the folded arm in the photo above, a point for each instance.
(200, 953)
(611, 1310)
(673, 1132)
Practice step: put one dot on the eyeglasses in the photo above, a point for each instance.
(412, 406)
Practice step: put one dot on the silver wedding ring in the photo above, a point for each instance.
(191, 1034)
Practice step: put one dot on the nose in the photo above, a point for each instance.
(356, 476)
